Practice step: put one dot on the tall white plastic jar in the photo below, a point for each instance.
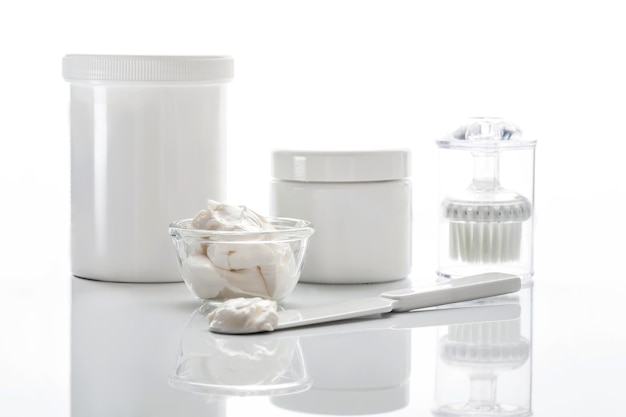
(360, 205)
(148, 146)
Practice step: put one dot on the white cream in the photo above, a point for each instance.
(249, 269)
(244, 315)
(237, 257)
(206, 282)
(220, 216)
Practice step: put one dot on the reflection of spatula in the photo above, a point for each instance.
(452, 291)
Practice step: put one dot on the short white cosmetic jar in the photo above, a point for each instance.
(360, 205)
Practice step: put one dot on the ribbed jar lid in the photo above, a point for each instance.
(341, 166)
(138, 68)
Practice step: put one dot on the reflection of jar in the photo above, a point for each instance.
(124, 339)
(148, 146)
(359, 203)
(358, 372)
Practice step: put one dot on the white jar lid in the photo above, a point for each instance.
(341, 166)
(144, 68)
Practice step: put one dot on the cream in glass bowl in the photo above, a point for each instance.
(228, 251)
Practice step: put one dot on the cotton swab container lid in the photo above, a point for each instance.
(485, 226)
(486, 134)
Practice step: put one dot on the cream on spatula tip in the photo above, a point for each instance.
(255, 315)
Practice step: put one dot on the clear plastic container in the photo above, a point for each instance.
(487, 200)
(359, 203)
(148, 143)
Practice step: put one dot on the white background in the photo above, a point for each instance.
(319, 74)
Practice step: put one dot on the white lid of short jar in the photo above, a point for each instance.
(148, 68)
(341, 166)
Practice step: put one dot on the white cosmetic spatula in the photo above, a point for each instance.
(452, 291)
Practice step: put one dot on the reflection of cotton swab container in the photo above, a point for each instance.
(485, 226)
(484, 369)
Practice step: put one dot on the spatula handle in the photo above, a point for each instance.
(454, 291)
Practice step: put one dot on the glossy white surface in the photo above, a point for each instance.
(126, 340)
(394, 73)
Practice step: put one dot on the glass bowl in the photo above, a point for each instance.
(218, 265)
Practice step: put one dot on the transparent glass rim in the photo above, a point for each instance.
(199, 387)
